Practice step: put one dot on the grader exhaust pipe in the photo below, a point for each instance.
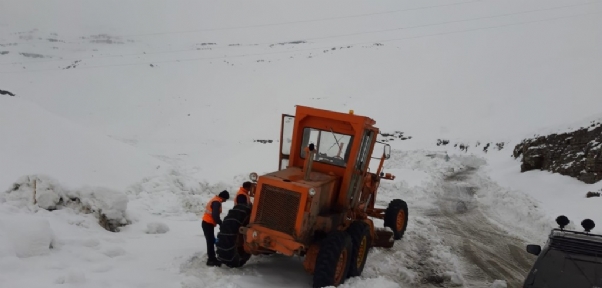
(310, 151)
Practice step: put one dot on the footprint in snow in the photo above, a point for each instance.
(114, 252)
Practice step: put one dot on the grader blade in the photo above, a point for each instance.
(384, 238)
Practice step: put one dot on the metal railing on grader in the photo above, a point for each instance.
(317, 205)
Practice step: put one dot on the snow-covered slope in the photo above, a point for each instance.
(457, 82)
(37, 142)
(163, 102)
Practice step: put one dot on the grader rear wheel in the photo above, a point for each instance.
(396, 217)
(362, 240)
(332, 263)
(230, 241)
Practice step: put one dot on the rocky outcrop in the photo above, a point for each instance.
(577, 154)
(4, 92)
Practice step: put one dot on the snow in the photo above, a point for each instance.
(26, 237)
(553, 193)
(150, 145)
(411, 177)
(498, 284)
(50, 195)
(156, 228)
(72, 277)
(373, 282)
(44, 143)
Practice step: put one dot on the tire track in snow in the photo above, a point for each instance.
(422, 258)
(489, 252)
(415, 261)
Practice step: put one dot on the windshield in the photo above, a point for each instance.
(332, 148)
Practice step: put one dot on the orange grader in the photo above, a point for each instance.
(320, 201)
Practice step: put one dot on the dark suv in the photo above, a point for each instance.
(570, 259)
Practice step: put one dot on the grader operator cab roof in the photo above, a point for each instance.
(332, 133)
(336, 137)
(342, 143)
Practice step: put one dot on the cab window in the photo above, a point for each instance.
(331, 148)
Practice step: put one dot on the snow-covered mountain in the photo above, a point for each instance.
(163, 102)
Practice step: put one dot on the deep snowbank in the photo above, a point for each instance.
(33, 192)
(41, 248)
(174, 194)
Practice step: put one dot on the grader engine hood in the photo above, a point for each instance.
(286, 206)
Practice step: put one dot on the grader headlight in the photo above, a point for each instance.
(312, 192)
(253, 176)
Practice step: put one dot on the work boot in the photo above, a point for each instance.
(214, 263)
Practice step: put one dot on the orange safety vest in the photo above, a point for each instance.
(242, 191)
(208, 210)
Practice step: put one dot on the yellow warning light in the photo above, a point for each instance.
(351, 112)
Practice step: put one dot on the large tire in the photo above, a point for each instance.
(396, 217)
(332, 263)
(397, 203)
(361, 239)
(230, 241)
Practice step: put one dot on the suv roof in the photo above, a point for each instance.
(576, 242)
(569, 259)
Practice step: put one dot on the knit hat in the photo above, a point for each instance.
(224, 194)
(246, 185)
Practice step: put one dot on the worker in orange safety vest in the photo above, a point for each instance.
(210, 220)
(242, 196)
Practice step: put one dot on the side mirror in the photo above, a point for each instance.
(533, 249)
(387, 151)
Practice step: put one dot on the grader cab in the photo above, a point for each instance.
(320, 201)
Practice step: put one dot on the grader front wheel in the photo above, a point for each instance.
(396, 217)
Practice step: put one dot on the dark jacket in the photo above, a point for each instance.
(241, 199)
